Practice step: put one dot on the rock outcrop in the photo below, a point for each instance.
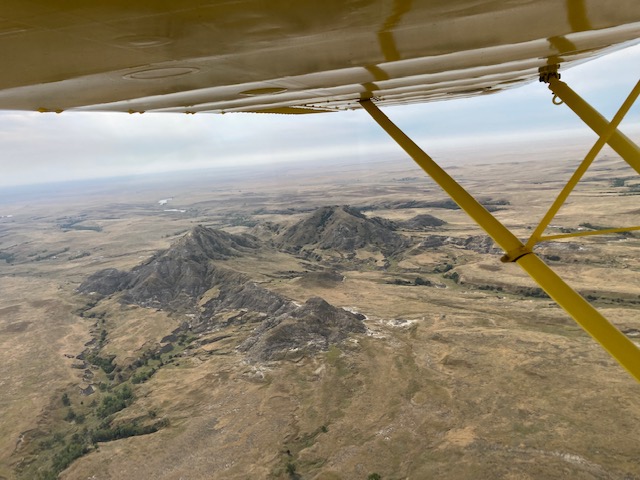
(105, 282)
(343, 229)
(309, 328)
(422, 222)
(476, 243)
(177, 280)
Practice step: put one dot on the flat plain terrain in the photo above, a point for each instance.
(465, 371)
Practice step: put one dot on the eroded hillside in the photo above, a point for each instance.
(242, 339)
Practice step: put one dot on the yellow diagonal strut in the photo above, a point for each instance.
(618, 141)
(604, 137)
(614, 341)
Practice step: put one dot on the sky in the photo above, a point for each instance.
(41, 148)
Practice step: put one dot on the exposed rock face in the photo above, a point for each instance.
(179, 276)
(344, 229)
(402, 204)
(432, 242)
(421, 222)
(489, 203)
(266, 230)
(309, 328)
(105, 282)
(238, 295)
(477, 243)
(216, 244)
(176, 279)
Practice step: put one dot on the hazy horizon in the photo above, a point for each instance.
(46, 148)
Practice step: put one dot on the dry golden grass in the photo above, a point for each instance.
(37, 329)
(454, 382)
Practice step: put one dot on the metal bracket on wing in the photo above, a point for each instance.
(592, 321)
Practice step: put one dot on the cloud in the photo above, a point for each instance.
(47, 147)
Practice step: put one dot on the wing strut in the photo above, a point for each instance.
(606, 132)
(594, 323)
(622, 144)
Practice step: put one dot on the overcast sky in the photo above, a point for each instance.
(37, 148)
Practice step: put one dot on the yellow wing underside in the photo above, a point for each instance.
(288, 56)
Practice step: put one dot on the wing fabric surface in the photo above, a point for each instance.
(288, 57)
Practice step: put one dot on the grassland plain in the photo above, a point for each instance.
(469, 373)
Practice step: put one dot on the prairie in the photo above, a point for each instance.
(469, 372)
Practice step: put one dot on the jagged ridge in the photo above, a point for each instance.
(344, 229)
(311, 327)
(177, 278)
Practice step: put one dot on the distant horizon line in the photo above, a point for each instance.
(443, 150)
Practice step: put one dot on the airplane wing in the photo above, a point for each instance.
(288, 56)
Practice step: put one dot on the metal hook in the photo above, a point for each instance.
(556, 101)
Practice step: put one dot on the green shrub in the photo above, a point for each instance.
(63, 459)
(111, 404)
(106, 364)
(126, 430)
